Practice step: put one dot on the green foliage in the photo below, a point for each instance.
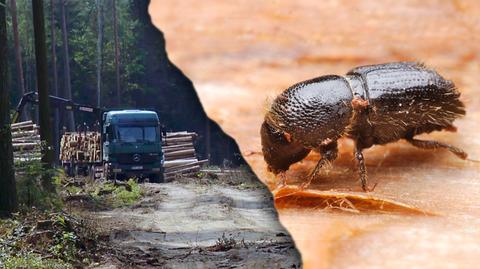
(82, 37)
(126, 197)
(65, 246)
(31, 261)
(118, 195)
(30, 190)
(62, 240)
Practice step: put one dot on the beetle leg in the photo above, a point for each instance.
(431, 144)
(329, 154)
(283, 179)
(362, 168)
(314, 173)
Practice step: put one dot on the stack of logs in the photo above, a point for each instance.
(180, 154)
(80, 147)
(26, 141)
(178, 149)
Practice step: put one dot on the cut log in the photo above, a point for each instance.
(24, 133)
(25, 145)
(173, 163)
(23, 123)
(182, 166)
(177, 146)
(80, 147)
(180, 153)
(176, 140)
(167, 151)
(25, 128)
(184, 170)
(26, 140)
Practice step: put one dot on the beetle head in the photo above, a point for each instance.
(278, 150)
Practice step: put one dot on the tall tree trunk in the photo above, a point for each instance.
(42, 82)
(99, 49)
(117, 52)
(66, 66)
(18, 53)
(8, 197)
(56, 121)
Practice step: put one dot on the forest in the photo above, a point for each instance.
(83, 40)
(104, 54)
(107, 53)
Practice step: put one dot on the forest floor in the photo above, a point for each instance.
(195, 223)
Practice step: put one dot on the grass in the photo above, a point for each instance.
(226, 243)
(241, 177)
(124, 197)
(62, 242)
(111, 195)
(30, 188)
(31, 261)
(66, 242)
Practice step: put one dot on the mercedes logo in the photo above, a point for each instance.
(136, 158)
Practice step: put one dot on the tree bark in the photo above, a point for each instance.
(99, 49)
(66, 66)
(18, 54)
(42, 83)
(8, 194)
(56, 121)
(117, 52)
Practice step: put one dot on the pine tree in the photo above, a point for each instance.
(18, 52)
(53, 36)
(42, 82)
(8, 197)
(66, 67)
(117, 52)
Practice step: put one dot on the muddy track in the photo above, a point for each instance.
(178, 225)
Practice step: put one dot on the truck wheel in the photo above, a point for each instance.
(106, 173)
(86, 171)
(76, 171)
(120, 177)
(91, 173)
(157, 178)
(68, 170)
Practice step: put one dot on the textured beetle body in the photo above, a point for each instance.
(306, 110)
(375, 104)
(405, 99)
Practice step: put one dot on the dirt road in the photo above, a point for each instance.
(197, 225)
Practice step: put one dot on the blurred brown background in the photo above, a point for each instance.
(240, 54)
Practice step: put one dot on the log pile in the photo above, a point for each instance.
(26, 141)
(80, 147)
(178, 148)
(180, 156)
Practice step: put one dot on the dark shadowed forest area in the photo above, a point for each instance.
(82, 64)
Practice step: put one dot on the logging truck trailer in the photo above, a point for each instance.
(129, 143)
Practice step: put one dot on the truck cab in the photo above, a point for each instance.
(132, 145)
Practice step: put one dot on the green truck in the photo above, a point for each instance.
(132, 145)
(127, 144)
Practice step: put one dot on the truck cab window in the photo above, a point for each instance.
(150, 134)
(129, 134)
(136, 134)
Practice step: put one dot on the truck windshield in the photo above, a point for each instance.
(133, 134)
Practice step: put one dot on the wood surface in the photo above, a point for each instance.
(241, 55)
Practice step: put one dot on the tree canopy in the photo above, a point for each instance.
(148, 80)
